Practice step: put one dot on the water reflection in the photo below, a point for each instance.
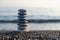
(32, 26)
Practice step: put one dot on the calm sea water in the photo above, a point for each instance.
(11, 14)
(32, 26)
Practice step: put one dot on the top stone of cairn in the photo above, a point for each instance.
(22, 10)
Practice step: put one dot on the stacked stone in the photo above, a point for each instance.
(22, 22)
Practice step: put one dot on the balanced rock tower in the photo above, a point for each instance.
(22, 21)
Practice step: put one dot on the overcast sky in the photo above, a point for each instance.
(32, 3)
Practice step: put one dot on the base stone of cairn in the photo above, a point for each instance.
(22, 21)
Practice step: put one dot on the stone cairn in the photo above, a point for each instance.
(22, 21)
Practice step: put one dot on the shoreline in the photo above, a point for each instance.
(32, 21)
